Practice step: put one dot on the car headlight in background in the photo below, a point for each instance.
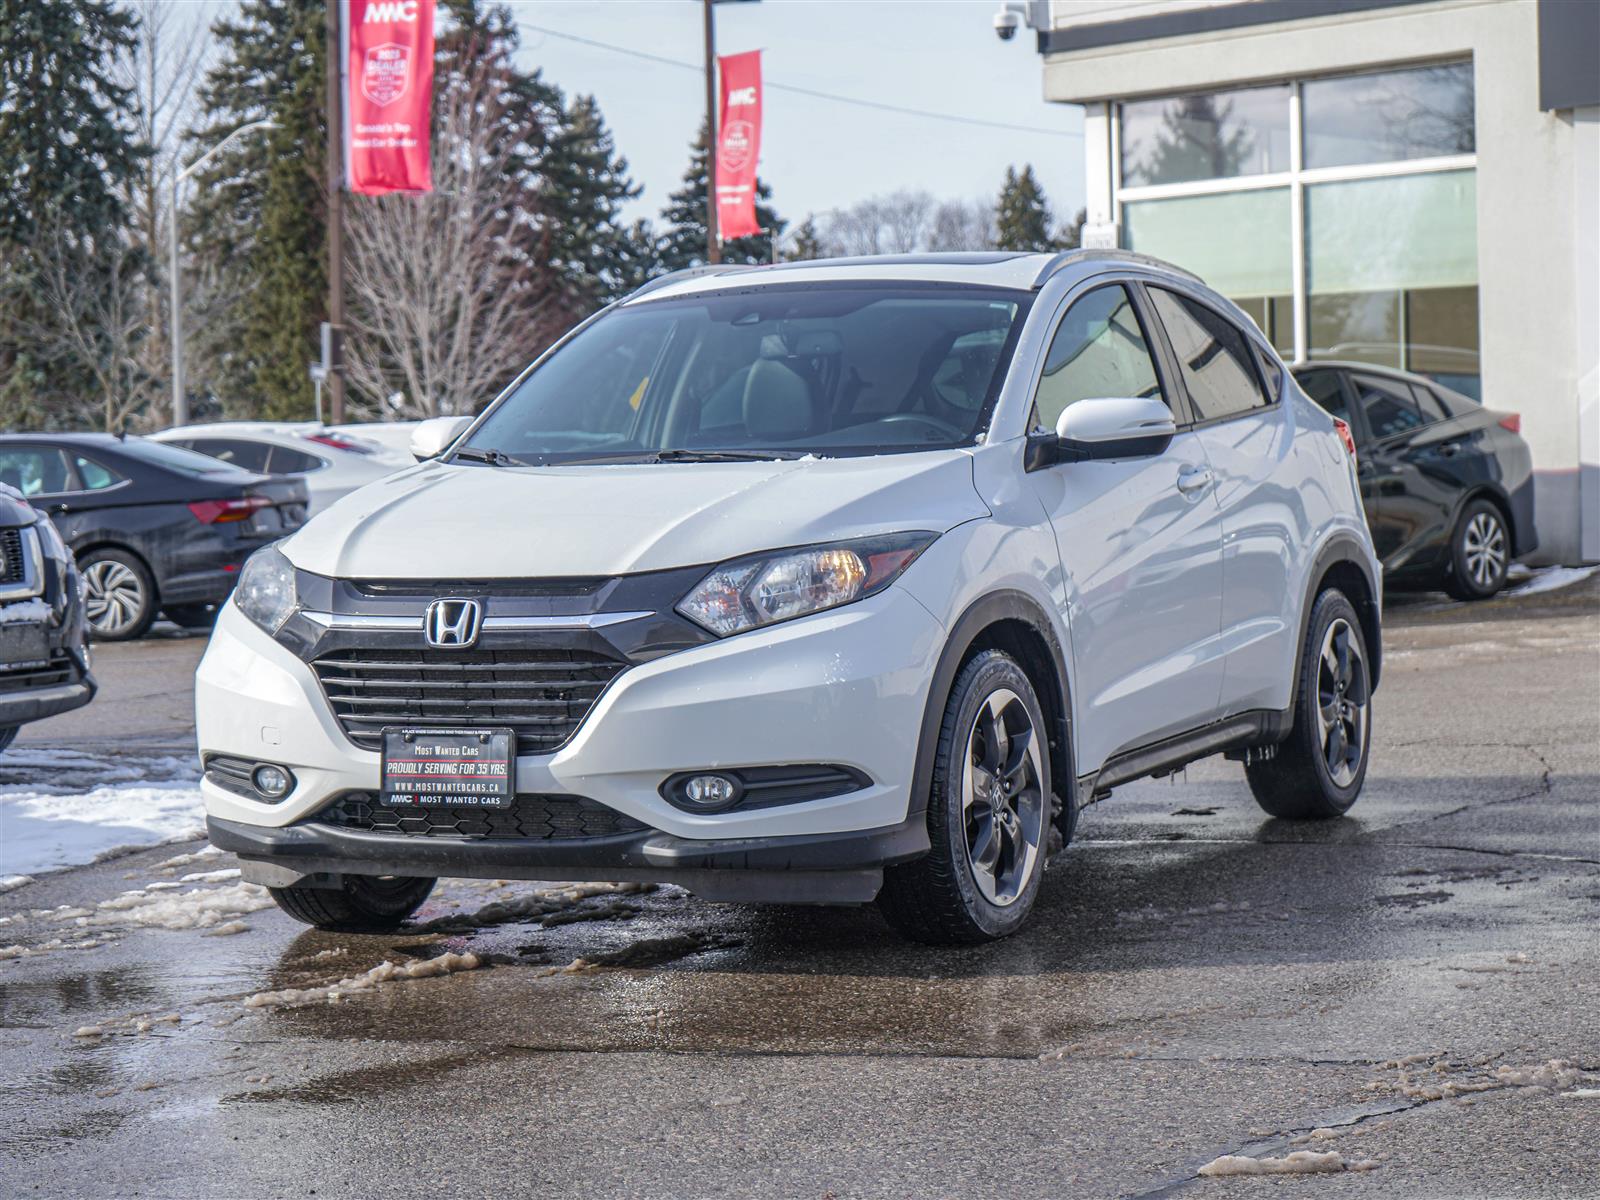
(764, 589)
(265, 592)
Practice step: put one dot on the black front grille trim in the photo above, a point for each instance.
(11, 547)
(541, 695)
(433, 588)
(532, 816)
(232, 774)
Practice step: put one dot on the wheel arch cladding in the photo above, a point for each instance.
(1341, 564)
(1014, 623)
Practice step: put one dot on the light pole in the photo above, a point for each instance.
(180, 400)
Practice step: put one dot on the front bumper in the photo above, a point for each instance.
(846, 687)
(19, 708)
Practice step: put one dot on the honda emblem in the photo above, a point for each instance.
(453, 624)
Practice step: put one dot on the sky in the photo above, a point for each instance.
(936, 55)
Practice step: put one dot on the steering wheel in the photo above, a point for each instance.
(944, 429)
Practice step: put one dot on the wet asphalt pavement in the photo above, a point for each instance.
(1197, 980)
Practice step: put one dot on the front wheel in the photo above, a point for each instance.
(988, 814)
(360, 904)
(1480, 551)
(1318, 770)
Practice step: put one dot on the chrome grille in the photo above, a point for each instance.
(542, 695)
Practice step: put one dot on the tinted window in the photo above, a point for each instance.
(795, 370)
(249, 456)
(283, 461)
(1271, 371)
(1214, 355)
(159, 454)
(35, 470)
(93, 476)
(1432, 409)
(1389, 404)
(1389, 115)
(1098, 350)
(1210, 135)
(1324, 387)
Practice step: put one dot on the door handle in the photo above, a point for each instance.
(1194, 479)
(1449, 449)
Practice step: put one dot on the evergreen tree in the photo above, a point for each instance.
(1022, 217)
(1198, 140)
(684, 243)
(807, 243)
(1070, 235)
(260, 215)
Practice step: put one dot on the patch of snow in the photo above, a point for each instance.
(198, 908)
(1551, 578)
(54, 944)
(384, 972)
(44, 832)
(25, 612)
(88, 1031)
(228, 930)
(184, 860)
(1557, 1074)
(211, 876)
(12, 882)
(1301, 1162)
(1582, 1094)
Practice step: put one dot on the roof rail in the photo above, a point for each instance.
(661, 281)
(1069, 258)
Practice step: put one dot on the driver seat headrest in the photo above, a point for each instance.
(777, 401)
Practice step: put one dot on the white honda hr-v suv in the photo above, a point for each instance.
(822, 582)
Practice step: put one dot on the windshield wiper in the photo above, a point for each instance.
(495, 458)
(681, 455)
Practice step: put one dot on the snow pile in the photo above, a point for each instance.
(12, 882)
(1552, 578)
(384, 972)
(198, 908)
(1582, 1094)
(25, 612)
(185, 860)
(45, 831)
(1446, 1079)
(11, 952)
(1301, 1162)
(1555, 1074)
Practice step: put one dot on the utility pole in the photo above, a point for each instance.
(335, 110)
(713, 242)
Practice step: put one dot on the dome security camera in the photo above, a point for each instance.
(1006, 23)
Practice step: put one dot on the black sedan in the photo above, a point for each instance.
(153, 527)
(44, 664)
(1447, 484)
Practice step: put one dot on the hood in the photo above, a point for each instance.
(14, 508)
(444, 521)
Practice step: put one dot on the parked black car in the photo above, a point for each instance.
(1447, 484)
(44, 663)
(153, 527)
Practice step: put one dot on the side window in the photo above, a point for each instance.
(1326, 390)
(1215, 357)
(1432, 407)
(249, 456)
(1272, 372)
(1099, 349)
(93, 476)
(284, 461)
(1389, 404)
(35, 470)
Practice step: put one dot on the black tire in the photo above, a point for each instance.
(119, 594)
(191, 616)
(1314, 777)
(943, 898)
(1480, 552)
(7, 736)
(360, 904)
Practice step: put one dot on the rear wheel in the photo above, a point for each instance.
(1480, 552)
(119, 596)
(1318, 771)
(360, 904)
(988, 814)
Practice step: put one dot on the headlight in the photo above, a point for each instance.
(767, 588)
(265, 592)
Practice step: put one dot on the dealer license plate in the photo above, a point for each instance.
(23, 644)
(457, 767)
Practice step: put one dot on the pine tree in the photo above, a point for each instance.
(1198, 140)
(684, 243)
(1022, 216)
(807, 243)
(260, 216)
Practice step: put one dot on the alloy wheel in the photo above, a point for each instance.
(1343, 700)
(113, 596)
(1002, 804)
(1484, 548)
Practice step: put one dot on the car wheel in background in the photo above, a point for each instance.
(1318, 770)
(191, 616)
(1480, 551)
(119, 595)
(988, 814)
(360, 904)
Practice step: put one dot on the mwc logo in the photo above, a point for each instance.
(390, 11)
(741, 96)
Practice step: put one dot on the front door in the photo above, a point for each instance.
(1140, 544)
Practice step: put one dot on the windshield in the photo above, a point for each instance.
(774, 371)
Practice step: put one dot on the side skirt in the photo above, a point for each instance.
(1259, 729)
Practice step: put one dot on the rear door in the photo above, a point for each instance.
(1234, 389)
(1413, 462)
(1139, 539)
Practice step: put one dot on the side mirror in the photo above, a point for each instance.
(432, 437)
(1112, 427)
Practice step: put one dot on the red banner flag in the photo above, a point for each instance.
(739, 145)
(388, 95)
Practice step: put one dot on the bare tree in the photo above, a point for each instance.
(962, 225)
(445, 292)
(904, 222)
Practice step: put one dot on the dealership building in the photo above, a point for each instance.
(1408, 182)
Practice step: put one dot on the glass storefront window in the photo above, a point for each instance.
(1212, 135)
(1238, 242)
(1389, 116)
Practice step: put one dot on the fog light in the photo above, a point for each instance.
(272, 782)
(710, 791)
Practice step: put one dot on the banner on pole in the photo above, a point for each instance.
(738, 145)
(388, 59)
